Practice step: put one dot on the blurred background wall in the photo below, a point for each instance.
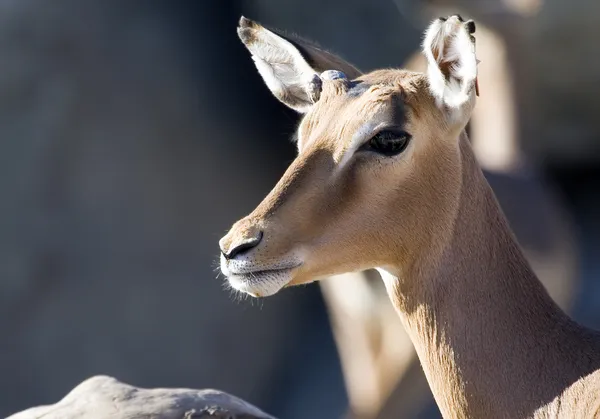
(133, 134)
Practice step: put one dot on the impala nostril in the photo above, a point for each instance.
(243, 246)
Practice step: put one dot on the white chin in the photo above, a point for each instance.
(261, 284)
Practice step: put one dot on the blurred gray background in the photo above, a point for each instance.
(134, 133)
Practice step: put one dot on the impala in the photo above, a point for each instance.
(386, 178)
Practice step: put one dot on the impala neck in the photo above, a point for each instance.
(485, 329)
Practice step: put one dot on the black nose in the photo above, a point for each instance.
(242, 247)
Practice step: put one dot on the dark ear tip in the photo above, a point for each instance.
(247, 30)
(246, 23)
(471, 26)
(244, 34)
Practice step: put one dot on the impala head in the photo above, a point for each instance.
(377, 177)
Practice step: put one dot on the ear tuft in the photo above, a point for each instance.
(246, 30)
(245, 22)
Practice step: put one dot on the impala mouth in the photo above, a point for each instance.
(260, 283)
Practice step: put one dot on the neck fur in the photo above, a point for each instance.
(491, 340)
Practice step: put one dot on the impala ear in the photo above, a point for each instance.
(290, 66)
(449, 47)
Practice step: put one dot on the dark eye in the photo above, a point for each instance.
(388, 143)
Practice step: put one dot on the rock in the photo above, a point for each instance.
(105, 397)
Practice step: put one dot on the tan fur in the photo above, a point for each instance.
(492, 342)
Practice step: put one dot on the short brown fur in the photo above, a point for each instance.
(492, 342)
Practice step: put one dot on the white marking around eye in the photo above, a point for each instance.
(362, 135)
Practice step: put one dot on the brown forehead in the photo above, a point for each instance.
(341, 106)
(409, 80)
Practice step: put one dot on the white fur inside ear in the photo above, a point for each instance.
(448, 43)
(434, 39)
(285, 72)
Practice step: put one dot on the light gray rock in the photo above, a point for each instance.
(105, 397)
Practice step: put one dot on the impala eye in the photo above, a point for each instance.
(388, 143)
